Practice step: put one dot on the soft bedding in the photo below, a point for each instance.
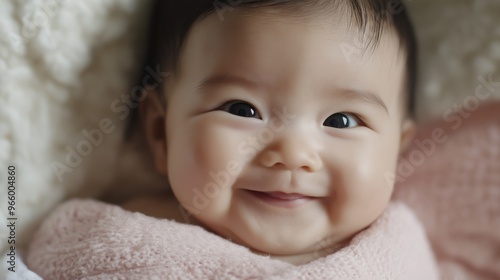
(455, 191)
(86, 239)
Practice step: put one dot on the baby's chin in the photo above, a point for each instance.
(290, 250)
(294, 252)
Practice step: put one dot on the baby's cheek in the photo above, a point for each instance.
(207, 166)
(216, 156)
(361, 190)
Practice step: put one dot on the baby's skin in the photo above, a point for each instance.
(278, 132)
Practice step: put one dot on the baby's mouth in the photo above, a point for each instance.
(281, 199)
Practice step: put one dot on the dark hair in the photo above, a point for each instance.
(171, 21)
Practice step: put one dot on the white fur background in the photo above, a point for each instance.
(64, 63)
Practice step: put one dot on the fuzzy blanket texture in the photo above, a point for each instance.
(65, 65)
(92, 240)
(450, 178)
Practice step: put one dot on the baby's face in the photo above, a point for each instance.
(278, 136)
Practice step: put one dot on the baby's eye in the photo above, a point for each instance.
(241, 109)
(341, 120)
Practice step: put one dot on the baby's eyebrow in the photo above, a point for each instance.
(227, 79)
(364, 96)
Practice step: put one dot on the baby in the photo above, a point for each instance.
(279, 120)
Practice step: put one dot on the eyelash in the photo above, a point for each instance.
(255, 113)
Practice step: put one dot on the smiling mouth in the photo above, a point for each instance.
(281, 199)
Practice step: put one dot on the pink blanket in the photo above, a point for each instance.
(92, 240)
(455, 191)
(452, 184)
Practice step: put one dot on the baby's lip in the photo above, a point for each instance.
(285, 196)
(282, 199)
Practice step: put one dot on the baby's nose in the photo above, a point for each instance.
(292, 149)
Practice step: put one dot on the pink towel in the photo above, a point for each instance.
(86, 239)
(455, 191)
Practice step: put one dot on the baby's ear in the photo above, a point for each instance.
(408, 132)
(152, 113)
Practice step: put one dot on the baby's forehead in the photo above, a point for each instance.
(367, 22)
(359, 38)
(252, 25)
